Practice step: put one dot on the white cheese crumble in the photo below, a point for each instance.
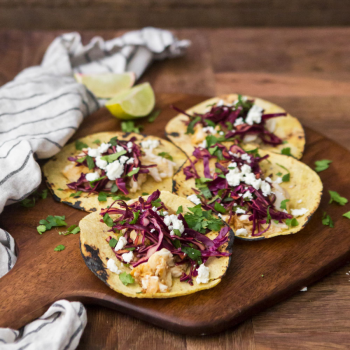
(221, 133)
(249, 138)
(93, 152)
(112, 266)
(209, 130)
(129, 146)
(194, 199)
(100, 163)
(246, 157)
(265, 188)
(119, 148)
(122, 242)
(203, 274)
(154, 208)
(240, 211)
(114, 170)
(150, 144)
(247, 195)
(130, 161)
(123, 159)
(268, 179)
(233, 178)
(220, 103)
(104, 147)
(278, 180)
(243, 217)
(299, 212)
(238, 121)
(246, 169)
(242, 232)
(127, 257)
(203, 144)
(232, 165)
(254, 115)
(92, 176)
(174, 223)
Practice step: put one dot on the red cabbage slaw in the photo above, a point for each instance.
(261, 208)
(226, 115)
(135, 152)
(152, 234)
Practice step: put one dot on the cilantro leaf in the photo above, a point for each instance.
(102, 197)
(153, 116)
(286, 151)
(254, 152)
(156, 203)
(284, 204)
(165, 155)
(177, 232)
(337, 198)
(176, 243)
(97, 142)
(52, 221)
(90, 162)
(268, 218)
(286, 177)
(28, 202)
(145, 194)
(327, 221)
(41, 229)
(133, 172)
(201, 220)
(292, 222)
(79, 145)
(113, 141)
(347, 215)
(136, 216)
(112, 157)
(129, 126)
(114, 188)
(179, 210)
(193, 254)
(191, 125)
(126, 278)
(81, 159)
(108, 220)
(220, 208)
(113, 242)
(121, 197)
(59, 248)
(76, 194)
(321, 165)
(44, 194)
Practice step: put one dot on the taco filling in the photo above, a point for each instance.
(242, 120)
(119, 165)
(159, 244)
(236, 188)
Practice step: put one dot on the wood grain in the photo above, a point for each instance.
(320, 54)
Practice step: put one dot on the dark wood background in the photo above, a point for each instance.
(306, 71)
(115, 14)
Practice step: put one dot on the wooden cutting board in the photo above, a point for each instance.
(261, 274)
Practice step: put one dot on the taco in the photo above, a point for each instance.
(156, 246)
(259, 194)
(98, 169)
(252, 121)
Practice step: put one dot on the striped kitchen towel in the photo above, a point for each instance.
(43, 107)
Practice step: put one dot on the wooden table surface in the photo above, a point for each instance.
(307, 71)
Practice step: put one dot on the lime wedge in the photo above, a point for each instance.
(106, 85)
(133, 103)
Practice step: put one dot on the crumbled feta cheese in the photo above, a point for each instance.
(266, 188)
(100, 163)
(194, 199)
(165, 213)
(246, 157)
(246, 169)
(233, 178)
(235, 204)
(130, 161)
(154, 208)
(203, 274)
(278, 180)
(152, 230)
(92, 176)
(268, 179)
(174, 223)
(122, 242)
(240, 211)
(299, 212)
(123, 159)
(237, 155)
(254, 115)
(150, 144)
(220, 103)
(209, 130)
(119, 148)
(93, 152)
(104, 147)
(129, 146)
(247, 195)
(232, 165)
(299, 201)
(221, 133)
(243, 217)
(112, 266)
(238, 121)
(241, 232)
(114, 170)
(203, 144)
(127, 257)
(249, 178)
(256, 183)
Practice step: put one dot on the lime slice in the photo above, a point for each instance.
(136, 102)
(106, 85)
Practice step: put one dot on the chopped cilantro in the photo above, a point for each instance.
(130, 249)
(133, 172)
(337, 198)
(254, 152)
(120, 197)
(145, 193)
(276, 221)
(156, 203)
(51, 221)
(347, 215)
(76, 194)
(284, 204)
(212, 150)
(179, 210)
(165, 155)
(229, 125)
(74, 229)
(102, 197)
(126, 278)
(279, 174)
(201, 220)
(321, 165)
(79, 145)
(113, 242)
(268, 218)
(177, 232)
(286, 177)
(193, 254)
(153, 116)
(220, 208)
(41, 229)
(97, 142)
(59, 248)
(191, 124)
(327, 221)
(108, 220)
(112, 157)
(90, 162)
(286, 151)
(176, 243)
(44, 194)
(292, 222)
(129, 126)
(97, 180)
(81, 159)
(114, 188)
(60, 189)
(113, 141)
(136, 216)
(28, 202)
